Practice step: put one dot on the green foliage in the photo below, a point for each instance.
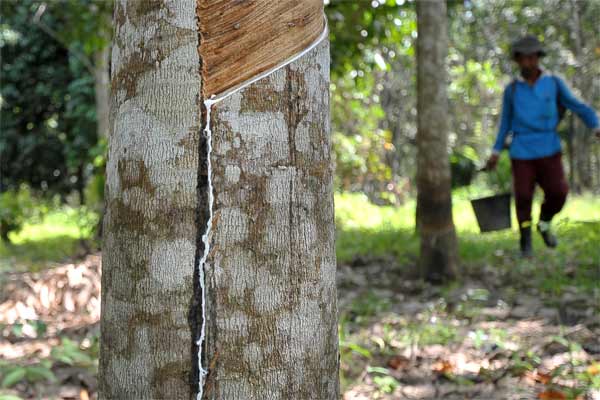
(500, 180)
(39, 327)
(463, 165)
(493, 337)
(94, 189)
(70, 353)
(9, 397)
(428, 333)
(367, 37)
(382, 379)
(367, 306)
(47, 97)
(13, 373)
(53, 238)
(368, 231)
(16, 206)
(373, 68)
(364, 32)
(89, 24)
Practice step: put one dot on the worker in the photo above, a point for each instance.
(532, 107)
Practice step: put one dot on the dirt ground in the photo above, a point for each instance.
(507, 341)
(494, 336)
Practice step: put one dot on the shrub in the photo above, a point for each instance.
(16, 206)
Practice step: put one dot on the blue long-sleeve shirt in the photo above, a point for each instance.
(534, 116)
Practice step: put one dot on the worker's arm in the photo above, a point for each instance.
(583, 111)
(505, 126)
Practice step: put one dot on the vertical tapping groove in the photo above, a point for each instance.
(203, 222)
(197, 312)
(205, 242)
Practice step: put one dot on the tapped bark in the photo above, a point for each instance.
(271, 275)
(438, 252)
(270, 296)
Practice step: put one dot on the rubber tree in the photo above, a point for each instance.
(580, 140)
(269, 274)
(438, 248)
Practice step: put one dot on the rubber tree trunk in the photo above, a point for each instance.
(271, 326)
(151, 203)
(271, 276)
(438, 250)
(581, 138)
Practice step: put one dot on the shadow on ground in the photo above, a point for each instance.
(510, 329)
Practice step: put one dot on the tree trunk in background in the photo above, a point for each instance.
(271, 323)
(581, 141)
(151, 201)
(438, 257)
(102, 90)
(272, 320)
(102, 94)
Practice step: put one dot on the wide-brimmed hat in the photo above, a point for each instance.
(527, 45)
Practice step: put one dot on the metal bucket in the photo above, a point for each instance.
(493, 213)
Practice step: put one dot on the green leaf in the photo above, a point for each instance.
(360, 350)
(39, 373)
(17, 329)
(13, 377)
(9, 397)
(379, 370)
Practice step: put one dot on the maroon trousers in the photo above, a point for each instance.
(549, 174)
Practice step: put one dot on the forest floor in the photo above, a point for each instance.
(493, 336)
(507, 329)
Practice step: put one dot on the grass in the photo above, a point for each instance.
(51, 239)
(374, 327)
(368, 230)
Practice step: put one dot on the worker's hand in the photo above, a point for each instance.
(492, 162)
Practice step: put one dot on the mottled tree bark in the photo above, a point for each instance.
(581, 140)
(438, 255)
(272, 327)
(271, 324)
(151, 201)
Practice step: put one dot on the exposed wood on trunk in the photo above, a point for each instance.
(241, 39)
(438, 255)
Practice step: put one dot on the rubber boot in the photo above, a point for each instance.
(526, 249)
(543, 228)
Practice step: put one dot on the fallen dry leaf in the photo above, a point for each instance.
(67, 296)
(442, 367)
(539, 377)
(552, 395)
(398, 362)
(593, 369)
